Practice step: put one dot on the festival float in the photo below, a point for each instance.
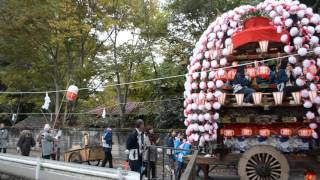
(277, 125)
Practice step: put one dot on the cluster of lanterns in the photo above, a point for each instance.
(206, 75)
(265, 132)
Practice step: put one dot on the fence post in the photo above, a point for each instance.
(38, 168)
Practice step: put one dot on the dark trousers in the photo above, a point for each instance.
(152, 167)
(46, 156)
(179, 170)
(247, 94)
(107, 158)
(4, 150)
(136, 165)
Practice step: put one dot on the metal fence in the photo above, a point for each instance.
(165, 163)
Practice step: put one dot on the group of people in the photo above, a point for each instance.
(142, 150)
(47, 139)
(283, 76)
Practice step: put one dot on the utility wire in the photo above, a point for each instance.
(155, 79)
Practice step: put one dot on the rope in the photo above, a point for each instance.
(154, 79)
(90, 113)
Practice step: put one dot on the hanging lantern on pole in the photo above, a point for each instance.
(310, 175)
(263, 71)
(264, 46)
(72, 93)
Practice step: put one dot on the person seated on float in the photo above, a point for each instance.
(241, 84)
(281, 76)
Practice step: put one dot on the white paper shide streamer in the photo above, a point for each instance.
(46, 102)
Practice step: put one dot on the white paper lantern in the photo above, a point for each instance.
(300, 82)
(203, 75)
(310, 76)
(294, 31)
(292, 60)
(201, 117)
(310, 115)
(223, 61)
(297, 71)
(208, 106)
(314, 135)
(314, 40)
(306, 63)
(217, 94)
(216, 116)
(304, 93)
(203, 85)
(219, 83)
(214, 64)
(216, 105)
(194, 106)
(194, 117)
(302, 51)
(313, 125)
(317, 100)
(317, 51)
(209, 96)
(307, 104)
(195, 75)
(207, 116)
(194, 85)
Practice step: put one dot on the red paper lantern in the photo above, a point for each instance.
(223, 77)
(285, 132)
(228, 133)
(263, 72)
(305, 132)
(251, 71)
(232, 74)
(264, 132)
(310, 175)
(246, 132)
(72, 93)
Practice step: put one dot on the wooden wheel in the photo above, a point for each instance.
(263, 163)
(75, 157)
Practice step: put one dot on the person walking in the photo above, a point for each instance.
(4, 138)
(107, 147)
(46, 142)
(134, 147)
(25, 143)
(150, 154)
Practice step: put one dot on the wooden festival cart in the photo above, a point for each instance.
(89, 154)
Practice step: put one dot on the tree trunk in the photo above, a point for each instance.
(122, 105)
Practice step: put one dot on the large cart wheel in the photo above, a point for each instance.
(263, 163)
(75, 157)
